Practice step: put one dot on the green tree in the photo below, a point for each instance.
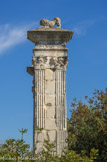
(14, 149)
(87, 127)
(22, 149)
(48, 154)
(22, 131)
(7, 150)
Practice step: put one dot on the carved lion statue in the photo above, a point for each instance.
(52, 23)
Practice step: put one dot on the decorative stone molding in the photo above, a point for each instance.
(49, 34)
(50, 45)
(50, 62)
(39, 61)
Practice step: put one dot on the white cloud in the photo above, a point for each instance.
(12, 35)
(82, 27)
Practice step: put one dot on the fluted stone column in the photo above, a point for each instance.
(48, 69)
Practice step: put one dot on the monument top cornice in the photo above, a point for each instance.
(49, 34)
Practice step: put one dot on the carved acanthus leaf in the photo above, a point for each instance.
(50, 62)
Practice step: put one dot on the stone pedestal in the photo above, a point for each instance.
(48, 69)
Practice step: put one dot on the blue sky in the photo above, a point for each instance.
(87, 68)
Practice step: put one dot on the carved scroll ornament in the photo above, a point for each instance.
(50, 62)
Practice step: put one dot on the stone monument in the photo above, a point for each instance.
(48, 69)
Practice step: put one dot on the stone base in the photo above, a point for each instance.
(58, 138)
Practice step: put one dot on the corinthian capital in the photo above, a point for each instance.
(39, 60)
(50, 62)
(63, 61)
(59, 62)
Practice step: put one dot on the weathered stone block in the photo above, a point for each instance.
(50, 112)
(50, 87)
(52, 135)
(50, 124)
(49, 100)
(49, 75)
(40, 136)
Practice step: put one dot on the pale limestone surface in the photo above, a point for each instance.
(48, 69)
(50, 24)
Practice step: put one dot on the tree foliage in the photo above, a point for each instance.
(48, 154)
(14, 149)
(87, 127)
(22, 131)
